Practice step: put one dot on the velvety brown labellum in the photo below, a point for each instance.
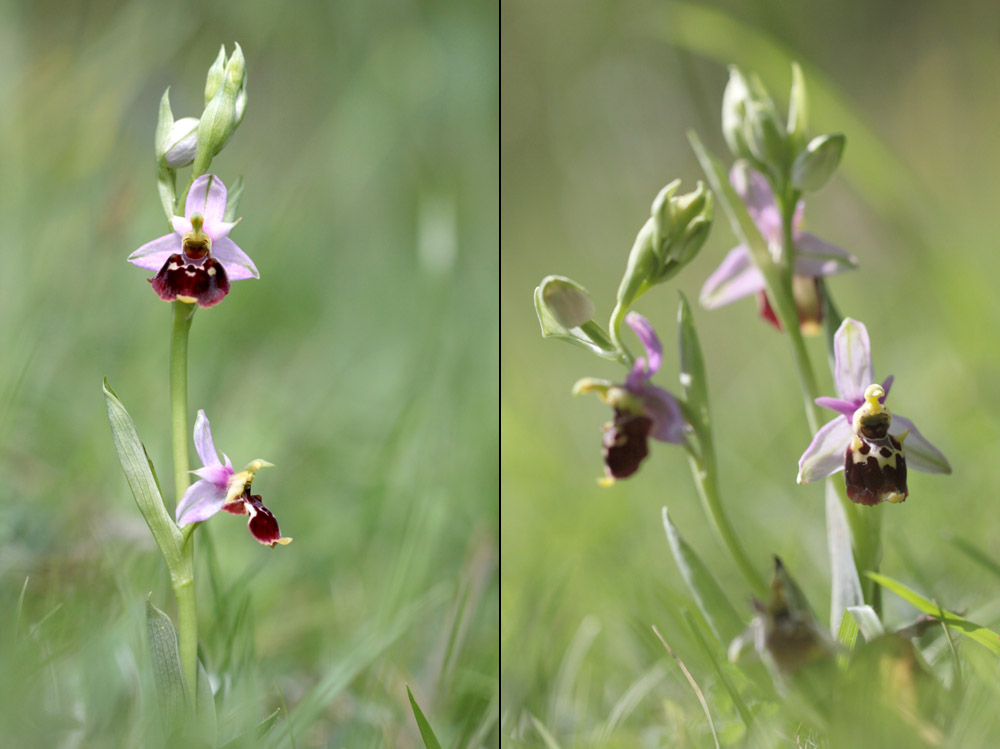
(181, 278)
(875, 471)
(626, 443)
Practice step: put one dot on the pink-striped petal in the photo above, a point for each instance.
(207, 197)
(920, 454)
(816, 258)
(238, 264)
(825, 454)
(735, 278)
(203, 442)
(853, 371)
(644, 368)
(153, 255)
(666, 413)
(200, 502)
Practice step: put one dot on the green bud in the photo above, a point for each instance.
(565, 311)
(224, 112)
(817, 163)
(670, 238)
(766, 137)
(662, 212)
(215, 75)
(567, 301)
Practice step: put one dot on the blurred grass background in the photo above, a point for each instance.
(363, 364)
(596, 103)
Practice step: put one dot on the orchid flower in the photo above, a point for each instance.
(738, 276)
(642, 410)
(865, 440)
(221, 488)
(198, 260)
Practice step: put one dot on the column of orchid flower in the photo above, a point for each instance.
(669, 239)
(785, 268)
(194, 266)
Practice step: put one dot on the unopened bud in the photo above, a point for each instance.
(567, 301)
(817, 163)
(182, 143)
(215, 74)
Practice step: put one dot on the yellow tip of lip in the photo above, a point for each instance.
(605, 481)
(284, 541)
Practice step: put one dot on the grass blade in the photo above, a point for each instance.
(985, 637)
(426, 732)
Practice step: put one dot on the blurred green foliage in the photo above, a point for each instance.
(596, 104)
(363, 364)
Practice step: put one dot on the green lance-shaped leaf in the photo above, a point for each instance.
(720, 672)
(985, 637)
(141, 480)
(847, 635)
(171, 688)
(205, 705)
(426, 732)
(817, 162)
(712, 602)
(692, 366)
(251, 739)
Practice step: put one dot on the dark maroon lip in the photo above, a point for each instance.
(205, 281)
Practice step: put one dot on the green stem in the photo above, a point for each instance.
(615, 329)
(182, 579)
(807, 376)
(705, 473)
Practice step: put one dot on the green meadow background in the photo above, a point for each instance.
(363, 364)
(596, 101)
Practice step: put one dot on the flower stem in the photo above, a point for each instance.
(807, 376)
(705, 473)
(183, 579)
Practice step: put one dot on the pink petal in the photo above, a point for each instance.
(200, 502)
(217, 475)
(665, 411)
(847, 408)
(853, 371)
(153, 255)
(920, 454)
(754, 189)
(207, 197)
(238, 264)
(825, 454)
(643, 369)
(734, 279)
(181, 225)
(816, 258)
(203, 441)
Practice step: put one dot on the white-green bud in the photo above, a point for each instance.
(817, 162)
(567, 301)
(182, 143)
(224, 112)
(734, 105)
